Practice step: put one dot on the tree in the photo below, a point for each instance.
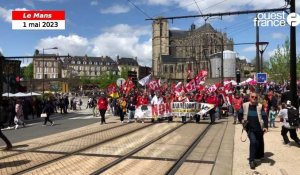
(27, 72)
(279, 65)
(36, 52)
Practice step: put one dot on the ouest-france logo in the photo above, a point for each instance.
(276, 19)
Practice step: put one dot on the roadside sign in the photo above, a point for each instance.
(120, 81)
(261, 77)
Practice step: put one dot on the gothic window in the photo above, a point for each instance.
(91, 62)
(84, 62)
(73, 62)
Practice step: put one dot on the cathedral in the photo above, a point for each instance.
(176, 52)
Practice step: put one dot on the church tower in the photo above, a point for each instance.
(160, 43)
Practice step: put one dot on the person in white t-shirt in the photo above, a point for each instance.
(283, 114)
(157, 99)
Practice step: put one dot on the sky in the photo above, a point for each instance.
(119, 27)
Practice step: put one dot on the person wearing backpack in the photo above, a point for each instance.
(287, 126)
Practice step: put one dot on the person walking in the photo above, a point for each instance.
(272, 116)
(2, 136)
(121, 107)
(131, 108)
(286, 127)
(102, 106)
(237, 105)
(19, 114)
(48, 109)
(254, 115)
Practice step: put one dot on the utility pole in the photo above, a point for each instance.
(258, 69)
(1, 85)
(222, 61)
(293, 61)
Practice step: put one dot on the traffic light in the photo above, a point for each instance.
(133, 76)
(238, 76)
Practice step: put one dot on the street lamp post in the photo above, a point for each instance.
(262, 48)
(52, 48)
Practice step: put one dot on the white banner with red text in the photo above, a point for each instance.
(172, 109)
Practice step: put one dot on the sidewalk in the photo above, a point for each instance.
(280, 159)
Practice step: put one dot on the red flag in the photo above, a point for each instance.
(153, 85)
(201, 76)
(190, 86)
(128, 85)
(212, 88)
(178, 88)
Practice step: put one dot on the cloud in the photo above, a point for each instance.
(29, 3)
(72, 44)
(249, 49)
(6, 13)
(94, 3)
(121, 39)
(272, 52)
(208, 6)
(245, 58)
(1, 51)
(278, 35)
(115, 9)
(124, 40)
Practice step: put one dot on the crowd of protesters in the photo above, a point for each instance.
(272, 100)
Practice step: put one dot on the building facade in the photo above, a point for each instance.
(128, 64)
(47, 66)
(192, 47)
(79, 66)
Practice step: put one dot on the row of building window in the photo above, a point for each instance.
(93, 63)
(46, 63)
(40, 76)
(47, 70)
(180, 68)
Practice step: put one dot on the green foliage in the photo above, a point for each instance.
(279, 65)
(36, 52)
(246, 72)
(27, 72)
(102, 81)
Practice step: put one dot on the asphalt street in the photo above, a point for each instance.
(34, 129)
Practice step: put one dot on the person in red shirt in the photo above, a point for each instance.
(212, 99)
(237, 103)
(102, 106)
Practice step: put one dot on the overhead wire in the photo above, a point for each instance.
(142, 11)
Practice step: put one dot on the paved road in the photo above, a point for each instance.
(34, 129)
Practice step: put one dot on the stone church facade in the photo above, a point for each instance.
(176, 51)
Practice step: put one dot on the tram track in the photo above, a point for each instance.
(187, 159)
(110, 161)
(60, 141)
(128, 155)
(188, 151)
(133, 128)
(133, 154)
